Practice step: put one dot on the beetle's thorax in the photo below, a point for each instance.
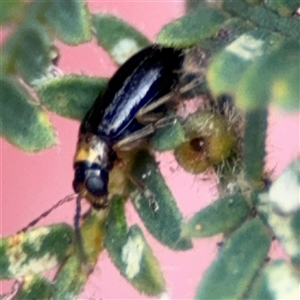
(92, 150)
(92, 162)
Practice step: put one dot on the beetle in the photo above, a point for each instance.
(117, 118)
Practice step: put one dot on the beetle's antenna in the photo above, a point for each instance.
(78, 239)
(77, 213)
(47, 212)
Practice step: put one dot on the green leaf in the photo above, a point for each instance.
(274, 78)
(279, 280)
(286, 201)
(131, 253)
(92, 231)
(70, 20)
(192, 28)
(74, 273)
(71, 96)
(286, 228)
(228, 67)
(116, 227)
(34, 287)
(255, 132)
(34, 251)
(11, 11)
(142, 267)
(23, 123)
(237, 263)
(117, 37)
(5, 63)
(35, 11)
(280, 207)
(70, 279)
(30, 51)
(168, 137)
(193, 4)
(284, 91)
(284, 7)
(263, 17)
(165, 224)
(222, 216)
(229, 31)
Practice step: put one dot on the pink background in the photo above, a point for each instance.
(31, 183)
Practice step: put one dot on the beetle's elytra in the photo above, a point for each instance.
(140, 81)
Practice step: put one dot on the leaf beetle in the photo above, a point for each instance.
(116, 116)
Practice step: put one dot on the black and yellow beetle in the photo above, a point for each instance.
(117, 119)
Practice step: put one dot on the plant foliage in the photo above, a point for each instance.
(250, 56)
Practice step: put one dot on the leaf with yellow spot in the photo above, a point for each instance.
(285, 91)
(275, 78)
(34, 251)
(222, 216)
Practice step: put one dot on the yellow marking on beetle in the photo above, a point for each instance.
(81, 155)
(85, 154)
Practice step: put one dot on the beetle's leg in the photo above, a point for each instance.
(129, 141)
(144, 113)
(163, 100)
(149, 117)
(47, 212)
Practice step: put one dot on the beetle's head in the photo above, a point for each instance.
(91, 182)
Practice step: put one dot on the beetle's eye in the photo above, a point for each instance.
(96, 185)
